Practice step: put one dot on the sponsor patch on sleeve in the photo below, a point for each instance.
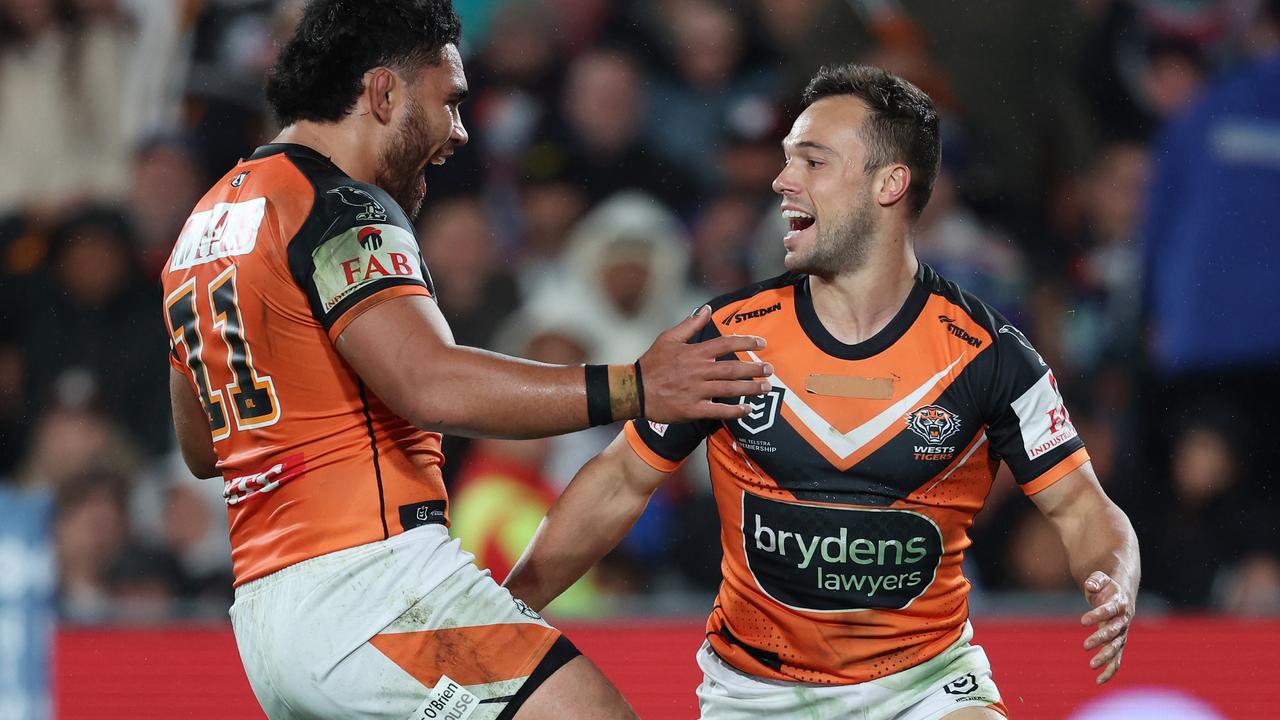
(363, 256)
(1042, 417)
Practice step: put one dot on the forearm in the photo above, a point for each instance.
(592, 516)
(475, 392)
(1106, 542)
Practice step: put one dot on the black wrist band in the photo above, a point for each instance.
(599, 407)
(639, 389)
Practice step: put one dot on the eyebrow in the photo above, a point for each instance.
(811, 145)
(459, 94)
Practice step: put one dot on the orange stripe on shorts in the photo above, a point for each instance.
(472, 655)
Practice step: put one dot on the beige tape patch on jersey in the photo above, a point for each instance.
(849, 386)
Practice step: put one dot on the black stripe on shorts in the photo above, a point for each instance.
(561, 652)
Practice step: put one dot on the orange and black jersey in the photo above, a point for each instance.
(846, 493)
(274, 262)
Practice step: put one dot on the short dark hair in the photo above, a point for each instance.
(319, 74)
(902, 127)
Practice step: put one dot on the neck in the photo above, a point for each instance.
(856, 305)
(340, 142)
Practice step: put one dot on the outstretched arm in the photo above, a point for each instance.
(586, 522)
(403, 350)
(1103, 551)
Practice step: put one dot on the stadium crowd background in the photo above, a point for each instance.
(619, 175)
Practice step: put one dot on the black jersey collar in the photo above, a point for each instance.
(873, 345)
(294, 150)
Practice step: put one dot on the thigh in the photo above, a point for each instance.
(576, 691)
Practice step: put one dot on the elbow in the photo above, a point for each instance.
(434, 409)
(202, 468)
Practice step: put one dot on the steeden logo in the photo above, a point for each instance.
(959, 331)
(736, 318)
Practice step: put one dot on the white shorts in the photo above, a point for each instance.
(958, 677)
(403, 629)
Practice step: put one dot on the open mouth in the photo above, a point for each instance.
(798, 221)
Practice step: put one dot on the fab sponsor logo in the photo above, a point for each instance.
(834, 559)
(362, 256)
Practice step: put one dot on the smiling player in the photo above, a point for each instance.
(313, 371)
(846, 492)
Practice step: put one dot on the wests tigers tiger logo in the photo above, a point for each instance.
(934, 423)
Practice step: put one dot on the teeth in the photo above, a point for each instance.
(796, 214)
(438, 160)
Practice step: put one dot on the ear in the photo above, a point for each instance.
(893, 182)
(381, 88)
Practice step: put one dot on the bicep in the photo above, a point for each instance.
(1073, 500)
(388, 343)
(622, 460)
(191, 425)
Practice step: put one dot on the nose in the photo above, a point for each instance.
(784, 183)
(459, 136)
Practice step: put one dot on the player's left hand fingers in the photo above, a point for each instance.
(1106, 633)
(1096, 582)
(1109, 652)
(1105, 607)
(1111, 668)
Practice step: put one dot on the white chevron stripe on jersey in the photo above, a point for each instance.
(846, 444)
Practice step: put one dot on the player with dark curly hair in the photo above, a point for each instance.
(313, 372)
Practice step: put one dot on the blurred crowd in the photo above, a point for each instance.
(1110, 182)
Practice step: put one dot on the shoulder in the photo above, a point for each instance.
(739, 299)
(338, 198)
(962, 301)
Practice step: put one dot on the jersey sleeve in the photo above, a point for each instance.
(663, 446)
(356, 251)
(1028, 423)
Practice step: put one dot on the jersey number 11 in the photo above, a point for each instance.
(253, 398)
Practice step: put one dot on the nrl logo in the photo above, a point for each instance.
(762, 411)
(355, 197)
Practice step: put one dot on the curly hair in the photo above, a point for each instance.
(319, 74)
(902, 127)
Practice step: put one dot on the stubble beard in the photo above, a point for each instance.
(844, 247)
(398, 166)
